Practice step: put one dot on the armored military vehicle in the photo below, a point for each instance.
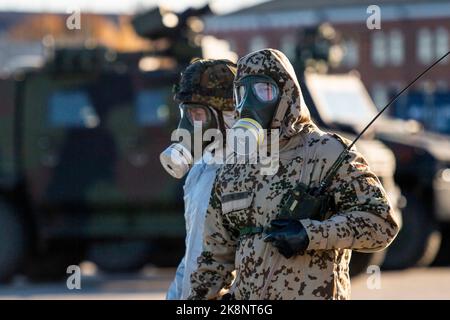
(79, 165)
(431, 108)
(422, 161)
(79, 155)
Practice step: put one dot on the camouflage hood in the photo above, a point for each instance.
(292, 113)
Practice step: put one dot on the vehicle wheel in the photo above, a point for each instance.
(52, 265)
(160, 258)
(12, 242)
(361, 261)
(443, 256)
(118, 256)
(418, 241)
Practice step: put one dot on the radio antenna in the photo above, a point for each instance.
(395, 98)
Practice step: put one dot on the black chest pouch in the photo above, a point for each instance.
(302, 203)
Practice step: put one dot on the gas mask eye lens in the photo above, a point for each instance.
(239, 92)
(197, 114)
(265, 91)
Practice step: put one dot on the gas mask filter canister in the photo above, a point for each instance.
(176, 160)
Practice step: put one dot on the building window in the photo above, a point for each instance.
(442, 46)
(379, 49)
(288, 46)
(432, 45)
(425, 46)
(396, 48)
(257, 43)
(388, 48)
(351, 53)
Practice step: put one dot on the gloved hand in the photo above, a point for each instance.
(288, 236)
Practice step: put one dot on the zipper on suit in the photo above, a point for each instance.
(269, 278)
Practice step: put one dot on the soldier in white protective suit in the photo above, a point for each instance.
(205, 94)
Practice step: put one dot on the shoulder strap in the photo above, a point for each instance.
(326, 182)
(345, 142)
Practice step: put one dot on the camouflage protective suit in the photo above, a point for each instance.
(362, 220)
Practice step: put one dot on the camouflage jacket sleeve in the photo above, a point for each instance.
(363, 218)
(216, 262)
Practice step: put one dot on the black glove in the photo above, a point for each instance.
(227, 296)
(288, 236)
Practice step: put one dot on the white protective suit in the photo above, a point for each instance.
(197, 191)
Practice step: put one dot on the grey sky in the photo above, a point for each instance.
(119, 6)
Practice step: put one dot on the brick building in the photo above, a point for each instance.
(413, 34)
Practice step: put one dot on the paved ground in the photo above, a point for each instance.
(432, 283)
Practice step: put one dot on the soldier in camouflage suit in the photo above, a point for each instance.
(362, 217)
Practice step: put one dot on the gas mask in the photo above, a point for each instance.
(257, 98)
(178, 158)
